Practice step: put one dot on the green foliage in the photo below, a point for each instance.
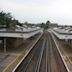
(47, 24)
(5, 19)
(44, 25)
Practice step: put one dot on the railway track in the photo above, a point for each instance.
(29, 64)
(57, 64)
(44, 57)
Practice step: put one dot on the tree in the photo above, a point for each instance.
(5, 18)
(42, 25)
(47, 24)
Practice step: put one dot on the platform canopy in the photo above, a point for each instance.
(64, 33)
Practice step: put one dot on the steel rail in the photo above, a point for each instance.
(40, 57)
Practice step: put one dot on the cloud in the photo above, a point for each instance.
(38, 10)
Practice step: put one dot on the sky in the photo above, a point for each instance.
(36, 11)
